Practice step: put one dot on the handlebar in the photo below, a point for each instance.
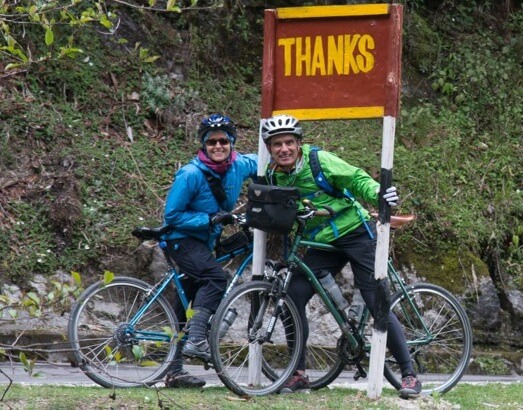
(310, 211)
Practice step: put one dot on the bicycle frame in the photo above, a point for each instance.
(175, 277)
(395, 280)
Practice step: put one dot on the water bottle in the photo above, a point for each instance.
(330, 285)
(355, 311)
(228, 320)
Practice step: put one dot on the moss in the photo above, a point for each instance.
(421, 43)
(454, 270)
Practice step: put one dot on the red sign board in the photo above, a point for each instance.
(332, 62)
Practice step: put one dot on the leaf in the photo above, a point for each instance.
(49, 37)
(151, 59)
(235, 398)
(108, 277)
(189, 313)
(180, 336)
(104, 21)
(77, 278)
(23, 359)
(152, 3)
(138, 352)
(70, 51)
(171, 6)
(148, 363)
(34, 297)
(169, 331)
(11, 66)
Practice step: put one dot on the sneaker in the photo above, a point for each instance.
(296, 384)
(183, 379)
(197, 350)
(410, 387)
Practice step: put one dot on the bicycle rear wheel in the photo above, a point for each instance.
(107, 349)
(233, 347)
(439, 336)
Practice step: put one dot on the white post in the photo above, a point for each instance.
(379, 333)
(258, 265)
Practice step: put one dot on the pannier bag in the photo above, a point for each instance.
(272, 208)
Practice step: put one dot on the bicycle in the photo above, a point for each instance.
(437, 328)
(124, 333)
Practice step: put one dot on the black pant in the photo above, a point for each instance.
(360, 251)
(204, 284)
(206, 281)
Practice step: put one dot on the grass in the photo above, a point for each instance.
(488, 396)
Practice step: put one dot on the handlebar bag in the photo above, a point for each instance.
(272, 209)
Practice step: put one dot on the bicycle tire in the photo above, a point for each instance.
(231, 353)
(441, 361)
(106, 354)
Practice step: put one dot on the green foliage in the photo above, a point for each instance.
(55, 29)
(57, 298)
(492, 365)
(422, 44)
(161, 97)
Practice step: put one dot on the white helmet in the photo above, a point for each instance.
(281, 124)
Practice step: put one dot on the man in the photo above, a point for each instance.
(351, 230)
(197, 206)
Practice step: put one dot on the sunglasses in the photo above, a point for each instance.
(221, 141)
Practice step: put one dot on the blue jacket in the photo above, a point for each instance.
(190, 201)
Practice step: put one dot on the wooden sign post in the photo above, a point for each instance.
(331, 63)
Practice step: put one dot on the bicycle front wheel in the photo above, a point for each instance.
(438, 334)
(108, 348)
(253, 354)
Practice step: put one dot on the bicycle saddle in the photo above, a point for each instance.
(146, 233)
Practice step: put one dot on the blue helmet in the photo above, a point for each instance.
(217, 122)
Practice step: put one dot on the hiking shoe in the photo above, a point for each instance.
(183, 379)
(296, 384)
(410, 387)
(197, 350)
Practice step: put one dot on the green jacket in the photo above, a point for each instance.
(341, 175)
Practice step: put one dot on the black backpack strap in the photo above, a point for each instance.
(215, 184)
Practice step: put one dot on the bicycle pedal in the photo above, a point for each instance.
(360, 373)
(208, 366)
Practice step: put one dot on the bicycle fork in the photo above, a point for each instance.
(276, 293)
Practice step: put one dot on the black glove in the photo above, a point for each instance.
(224, 218)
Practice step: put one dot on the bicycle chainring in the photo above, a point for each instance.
(347, 353)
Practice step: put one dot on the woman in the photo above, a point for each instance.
(197, 206)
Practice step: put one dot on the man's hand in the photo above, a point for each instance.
(391, 196)
(222, 217)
